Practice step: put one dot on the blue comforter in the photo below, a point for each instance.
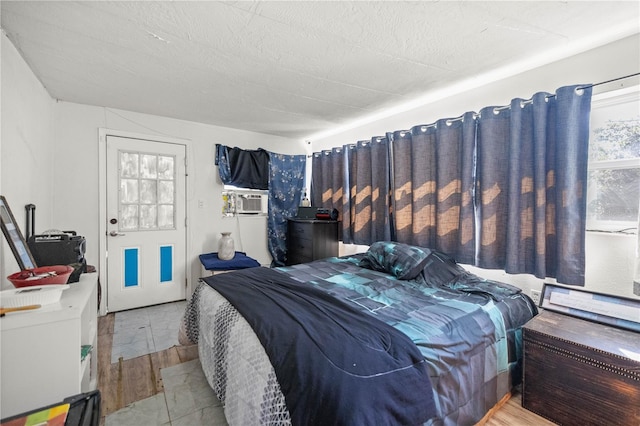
(468, 329)
(335, 364)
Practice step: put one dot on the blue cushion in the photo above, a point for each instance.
(211, 262)
(403, 261)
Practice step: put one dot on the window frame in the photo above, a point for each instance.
(603, 100)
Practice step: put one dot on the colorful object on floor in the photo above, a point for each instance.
(53, 416)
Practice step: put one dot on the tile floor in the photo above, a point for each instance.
(187, 398)
(142, 331)
(187, 401)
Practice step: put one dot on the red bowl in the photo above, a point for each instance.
(58, 274)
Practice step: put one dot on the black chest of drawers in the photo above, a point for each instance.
(309, 240)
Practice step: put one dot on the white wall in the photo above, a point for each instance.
(77, 139)
(610, 258)
(50, 158)
(27, 154)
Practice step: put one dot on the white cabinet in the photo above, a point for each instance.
(40, 362)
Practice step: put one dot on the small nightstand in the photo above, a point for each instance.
(578, 372)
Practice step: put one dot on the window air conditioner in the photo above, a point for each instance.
(251, 203)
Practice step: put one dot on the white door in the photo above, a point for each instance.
(146, 230)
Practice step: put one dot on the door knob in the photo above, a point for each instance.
(115, 234)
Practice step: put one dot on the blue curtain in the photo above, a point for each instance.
(433, 185)
(328, 183)
(354, 179)
(321, 167)
(349, 193)
(243, 168)
(369, 191)
(327, 174)
(532, 181)
(286, 183)
(222, 161)
(502, 189)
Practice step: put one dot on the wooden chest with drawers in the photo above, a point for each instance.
(310, 239)
(578, 372)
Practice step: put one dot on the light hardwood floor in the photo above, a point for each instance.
(135, 379)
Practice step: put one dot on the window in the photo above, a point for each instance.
(147, 193)
(613, 193)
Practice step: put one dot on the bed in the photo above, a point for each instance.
(326, 342)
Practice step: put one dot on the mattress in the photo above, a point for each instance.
(467, 329)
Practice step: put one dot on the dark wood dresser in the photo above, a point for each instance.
(578, 372)
(310, 239)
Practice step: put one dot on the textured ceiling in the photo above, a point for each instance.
(284, 68)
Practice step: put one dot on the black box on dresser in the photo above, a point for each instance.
(578, 372)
